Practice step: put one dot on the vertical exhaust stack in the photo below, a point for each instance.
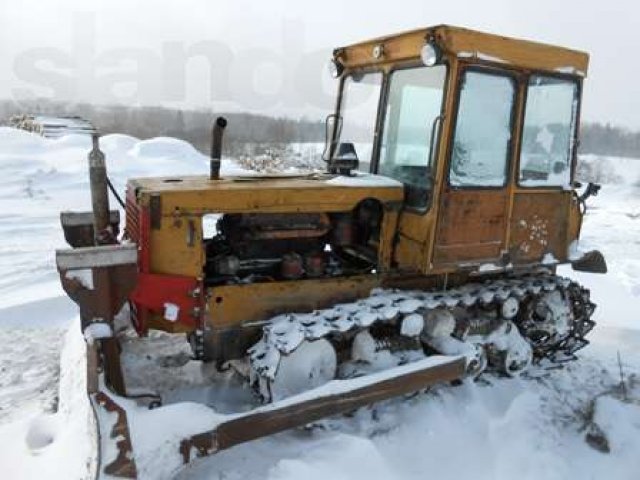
(216, 147)
(99, 195)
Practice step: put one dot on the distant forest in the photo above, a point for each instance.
(194, 126)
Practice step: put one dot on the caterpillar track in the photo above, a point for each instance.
(552, 314)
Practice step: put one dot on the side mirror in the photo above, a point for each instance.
(559, 167)
(332, 128)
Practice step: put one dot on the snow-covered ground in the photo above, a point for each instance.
(533, 427)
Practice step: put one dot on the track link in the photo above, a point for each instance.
(284, 333)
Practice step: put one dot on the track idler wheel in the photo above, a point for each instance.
(310, 365)
(511, 353)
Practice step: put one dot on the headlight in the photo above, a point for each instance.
(335, 68)
(430, 54)
(378, 51)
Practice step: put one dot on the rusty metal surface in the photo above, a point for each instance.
(228, 305)
(78, 227)
(112, 272)
(124, 465)
(539, 225)
(111, 287)
(273, 420)
(111, 366)
(472, 225)
(274, 226)
(93, 372)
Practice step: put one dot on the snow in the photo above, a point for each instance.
(83, 275)
(412, 325)
(163, 147)
(489, 267)
(315, 360)
(61, 444)
(570, 70)
(171, 311)
(575, 252)
(96, 331)
(624, 435)
(481, 56)
(497, 428)
(360, 179)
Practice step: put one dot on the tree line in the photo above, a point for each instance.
(193, 126)
(245, 129)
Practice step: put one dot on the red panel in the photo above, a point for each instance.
(153, 291)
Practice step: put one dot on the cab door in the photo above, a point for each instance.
(543, 199)
(472, 218)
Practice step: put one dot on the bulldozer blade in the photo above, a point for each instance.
(335, 397)
(111, 421)
(124, 465)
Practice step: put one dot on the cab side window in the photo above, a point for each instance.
(549, 132)
(482, 139)
(413, 108)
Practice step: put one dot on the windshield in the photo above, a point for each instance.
(359, 109)
(411, 120)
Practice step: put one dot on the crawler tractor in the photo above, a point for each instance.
(426, 252)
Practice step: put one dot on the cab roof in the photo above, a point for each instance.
(465, 44)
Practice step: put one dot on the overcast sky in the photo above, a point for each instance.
(271, 56)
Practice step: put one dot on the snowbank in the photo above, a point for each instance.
(510, 429)
(118, 142)
(16, 141)
(161, 147)
(61, 445)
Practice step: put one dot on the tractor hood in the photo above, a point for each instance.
(270, 193)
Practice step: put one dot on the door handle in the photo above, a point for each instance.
(436, 122)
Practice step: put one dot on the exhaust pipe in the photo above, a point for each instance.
(216, 147)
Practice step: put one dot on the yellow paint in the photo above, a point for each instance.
(228, 305)
(464, 43)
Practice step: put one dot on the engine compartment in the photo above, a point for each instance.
(263, 247)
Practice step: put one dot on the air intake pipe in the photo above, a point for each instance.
(216, 147)
(99, 194)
